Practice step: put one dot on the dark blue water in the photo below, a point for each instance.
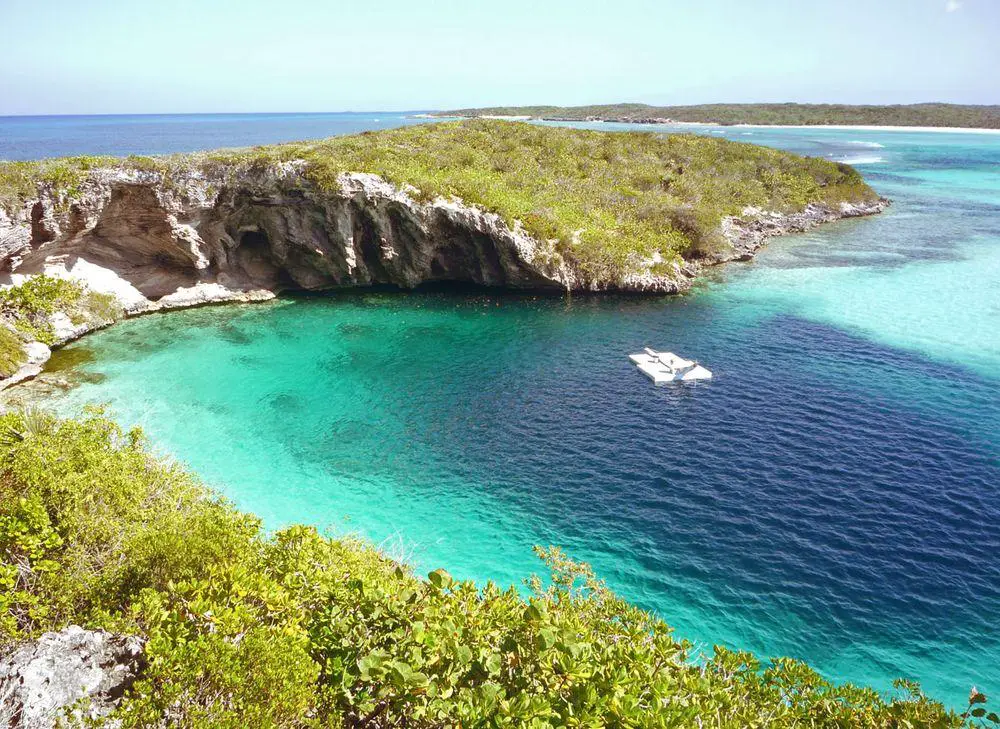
(833, 494)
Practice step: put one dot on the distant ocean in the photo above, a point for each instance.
(833, 494)
(34, 137)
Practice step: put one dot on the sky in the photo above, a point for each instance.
(177, 56)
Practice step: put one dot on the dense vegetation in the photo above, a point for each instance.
(608, 200)
(25, 311)
(298, 630)
(910, 115)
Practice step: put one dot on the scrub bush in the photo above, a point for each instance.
(27, 306)
(12, 353)
(295, 629)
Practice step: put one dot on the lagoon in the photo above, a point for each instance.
(832, 494)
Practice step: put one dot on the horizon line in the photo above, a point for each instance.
(490, 106)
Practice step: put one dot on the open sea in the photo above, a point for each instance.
(833, 494)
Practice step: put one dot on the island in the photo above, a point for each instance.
(484, 202)
(967, 116)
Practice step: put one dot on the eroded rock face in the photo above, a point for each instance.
(245, 233)
(157, 241)
(40, 680)
(144, 238)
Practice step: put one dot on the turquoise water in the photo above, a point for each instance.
(832, 495)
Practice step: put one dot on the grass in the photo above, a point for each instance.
(20, 180)
(294, 629)
(12, 354)
(608, 200)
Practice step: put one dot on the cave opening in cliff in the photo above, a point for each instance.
(255, 241)
(257, 259)
(40, 232)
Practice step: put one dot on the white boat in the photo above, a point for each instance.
(663, 367)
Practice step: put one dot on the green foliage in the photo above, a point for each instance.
(914, 115)
(12, 353)
(40, 295)
(299, 630)
(97, 308)
(20, 180)
(122, 521)
(28, 306)
(608, 201)
(226, 649)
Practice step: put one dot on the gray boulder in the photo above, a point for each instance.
(41, 679)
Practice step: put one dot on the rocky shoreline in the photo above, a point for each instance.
(158, 242)
(749, 232)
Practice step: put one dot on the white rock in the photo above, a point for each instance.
(41, 679)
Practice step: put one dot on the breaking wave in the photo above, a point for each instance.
(862, 159)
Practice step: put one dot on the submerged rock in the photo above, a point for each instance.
(85, 672)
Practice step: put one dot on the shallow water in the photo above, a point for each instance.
(833, 494)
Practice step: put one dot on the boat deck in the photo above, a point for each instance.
(665, 367)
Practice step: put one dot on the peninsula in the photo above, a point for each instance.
(895, 115)
(482, 202)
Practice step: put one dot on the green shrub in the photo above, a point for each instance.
(12, 353)
(29, 305)
(225, 650)
(298, 630)
(97, 308)
(40, 295)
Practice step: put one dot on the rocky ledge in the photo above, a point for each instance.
(747, 233)
(156, 241)
(73, 674)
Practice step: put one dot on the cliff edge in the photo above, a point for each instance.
(490, 203)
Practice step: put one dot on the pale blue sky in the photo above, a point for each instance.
(99, 56)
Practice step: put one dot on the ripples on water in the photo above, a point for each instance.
(831, 495)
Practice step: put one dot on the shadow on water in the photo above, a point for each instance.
(70, 358)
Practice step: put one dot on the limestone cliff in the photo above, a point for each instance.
(71, 677)
(157, 240)
(200, 234)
